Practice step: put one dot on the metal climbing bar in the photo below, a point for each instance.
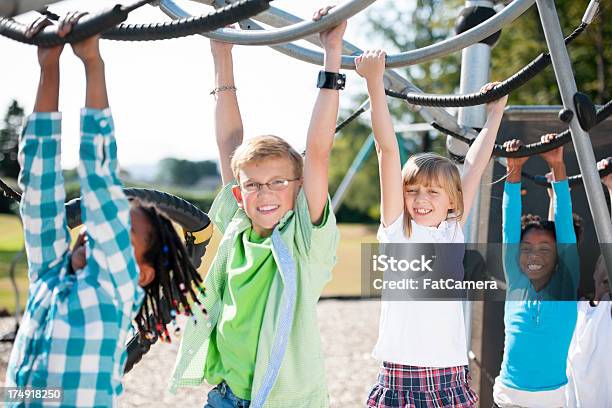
(506, 87)
(456, 43)
(279, 35)
(531, 149)
(108, 23)
(88, 26)
(573, 181)
(221, 17)
(582, 144)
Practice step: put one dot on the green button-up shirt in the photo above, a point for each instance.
(289, 368)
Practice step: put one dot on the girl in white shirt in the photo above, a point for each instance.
(422, 344)
(588, 372)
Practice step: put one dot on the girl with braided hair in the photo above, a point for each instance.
(176, 280)
(82, 301)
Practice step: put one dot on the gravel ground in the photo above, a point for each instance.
(348, 330)
(6, 325)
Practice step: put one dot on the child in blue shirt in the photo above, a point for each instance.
(542, 272)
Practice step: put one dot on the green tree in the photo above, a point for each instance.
(524, 39)
(9, 144)
(185, 172)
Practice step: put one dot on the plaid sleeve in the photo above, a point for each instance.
(106, 211)
(42, 203)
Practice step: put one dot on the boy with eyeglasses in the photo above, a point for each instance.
(260, 342)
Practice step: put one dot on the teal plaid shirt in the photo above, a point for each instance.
(76, 324)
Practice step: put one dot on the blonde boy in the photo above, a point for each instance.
(260, 342)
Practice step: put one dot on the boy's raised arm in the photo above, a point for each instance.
(228, 122)
(320, 135)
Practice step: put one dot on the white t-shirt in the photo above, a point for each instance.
(588, 369)
(422, 333)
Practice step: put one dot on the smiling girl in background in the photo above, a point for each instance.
(542, 271)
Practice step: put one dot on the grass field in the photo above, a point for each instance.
(346, 276)
(11, 242)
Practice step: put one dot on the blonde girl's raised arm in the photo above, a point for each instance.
(478, 156)
(371, 66)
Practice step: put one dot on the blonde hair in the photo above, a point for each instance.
(430, 169)
(263, 147)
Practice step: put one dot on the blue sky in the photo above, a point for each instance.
(159, 91)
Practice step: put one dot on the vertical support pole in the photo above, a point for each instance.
(580, 138)
(475, 67)
(475, 64)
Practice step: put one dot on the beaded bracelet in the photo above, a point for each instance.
(222, 88)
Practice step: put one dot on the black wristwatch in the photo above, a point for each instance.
(331, 80)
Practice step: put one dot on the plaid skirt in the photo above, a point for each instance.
(402, 386)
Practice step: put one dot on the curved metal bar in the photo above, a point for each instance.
(104, 23)
(456, 43)
(465, 39)
(393, 80)
(532, 149)
(48, 36)
(278, 35)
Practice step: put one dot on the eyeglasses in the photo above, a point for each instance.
(274, 185)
